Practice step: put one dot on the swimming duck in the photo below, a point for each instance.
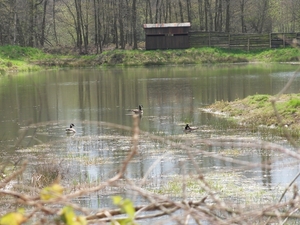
(189, 129)
(70, 129)
(138, 111)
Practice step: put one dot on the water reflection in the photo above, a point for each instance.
(35, 109)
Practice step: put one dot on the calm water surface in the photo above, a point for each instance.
(36, 108)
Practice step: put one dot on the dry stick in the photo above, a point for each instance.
(135, 138)
(286, 133)
(135, 141)
(205, 186)
(120, 174)
(4, 182)
(166, 207)
(28, 200)
(181, 205)
(274, 100)
(264, 212)
(39, 203)
(211, 142)
(295, 195)
(290, 184)
(223, 142)
(264, 145)
(110, 219)
(123, 167)
(151, 207)
(158, 160)
(286, 219)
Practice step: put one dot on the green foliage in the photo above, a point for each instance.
(289, 107)
(16, 58)
(69, 217)
(259, 100)
(127, 207)
(257, 110)
(17, 52)
(279, 55)
(293, 103)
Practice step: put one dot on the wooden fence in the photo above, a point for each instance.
(243, 40)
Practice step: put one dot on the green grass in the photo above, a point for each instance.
(16, 58)
(257, 110)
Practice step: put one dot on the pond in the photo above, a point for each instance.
(36, 108)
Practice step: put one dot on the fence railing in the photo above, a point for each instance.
(242, 40)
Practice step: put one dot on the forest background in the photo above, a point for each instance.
(89, 26)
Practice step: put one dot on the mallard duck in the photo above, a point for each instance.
(70, 129)
(138, 111)
(189, 129)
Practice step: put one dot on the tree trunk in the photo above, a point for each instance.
(42, 39)
(188, 7)
(227, 23)
(263, 16)
(54, 22)
(121, 24)
(98, 28)
(149, 10)
(78, 26)
(180, 11)
(200, 12)
(218, 15)
(156, 11)
(170, 12)
(242, 5)
(86, 26)
(134, 24)
(206, 14)
(21, 38)
(31, 16)
(116, 36)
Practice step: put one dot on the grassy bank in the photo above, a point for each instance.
(257, 110)
(15, 58)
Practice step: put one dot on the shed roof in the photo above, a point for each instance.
(159, 25)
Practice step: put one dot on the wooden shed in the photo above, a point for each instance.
(167, 35)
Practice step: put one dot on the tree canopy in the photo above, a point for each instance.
(92, 24)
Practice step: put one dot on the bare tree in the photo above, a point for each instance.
(42, 38)
(180, 11)
(227, 19)
(242, 5)
(134, 28)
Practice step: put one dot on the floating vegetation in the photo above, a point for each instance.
(231, 186)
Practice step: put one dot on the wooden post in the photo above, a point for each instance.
(209, 38)
(228, 40)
